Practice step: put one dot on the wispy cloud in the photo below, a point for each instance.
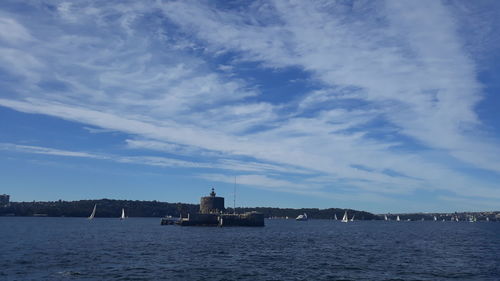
(382, 85)
(47, 151)
(259, 181)
(160, 161)
(412, 67)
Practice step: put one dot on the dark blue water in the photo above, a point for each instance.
(141, 249)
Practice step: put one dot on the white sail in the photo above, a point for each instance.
(487, 219)
(123, 214)
(345, 219)
(385, 217)
(335, 217)
(435, 218)
(397, 218)
(352, 219)
(302, 217)
(93, 212)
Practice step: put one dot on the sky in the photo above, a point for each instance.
(383, 106)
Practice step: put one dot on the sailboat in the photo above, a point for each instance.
(93, 213)
(335, 217)
(435, 218)
(123, 214)
(352, 219)
(487, 219)
(344, 218)
(397, 218)
(302, 217)
(385, 218)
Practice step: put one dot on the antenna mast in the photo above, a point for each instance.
(234, 197)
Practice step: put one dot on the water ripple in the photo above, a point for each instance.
(141, 249)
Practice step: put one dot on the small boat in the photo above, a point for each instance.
(169, 220)
(93, 213)
(352, 219)
(344, 218)
(302, 217)
(335, 217)
(487, 219)
(123, 214)
(385, 218)
(397, 218)
(435, 218)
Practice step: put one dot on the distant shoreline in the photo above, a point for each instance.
(110, 208)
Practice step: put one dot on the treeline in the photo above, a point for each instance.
(112, 208)
(461, 216)
(313, 213)
(105, 208)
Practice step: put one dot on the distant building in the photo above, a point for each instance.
(4, 200)
(212, 214)
(211, 204)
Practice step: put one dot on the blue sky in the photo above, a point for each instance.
(384, 106)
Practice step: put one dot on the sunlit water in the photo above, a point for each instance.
(141, 249)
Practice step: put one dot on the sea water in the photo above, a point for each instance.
(140, 249)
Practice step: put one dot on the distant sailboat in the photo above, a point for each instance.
(385, 217)
(123, 214)
(352, 219)
(397, 218)
(335, 217)
(435, 218)
(344, 218)
(302, 217)
(487, 219)
(93, 213)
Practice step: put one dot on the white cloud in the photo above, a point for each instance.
(387, 76)
(256, 181)
(12, 32)
(220, 164)
(412, 67)
(47, 151)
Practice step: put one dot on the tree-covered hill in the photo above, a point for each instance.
(112, 208)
